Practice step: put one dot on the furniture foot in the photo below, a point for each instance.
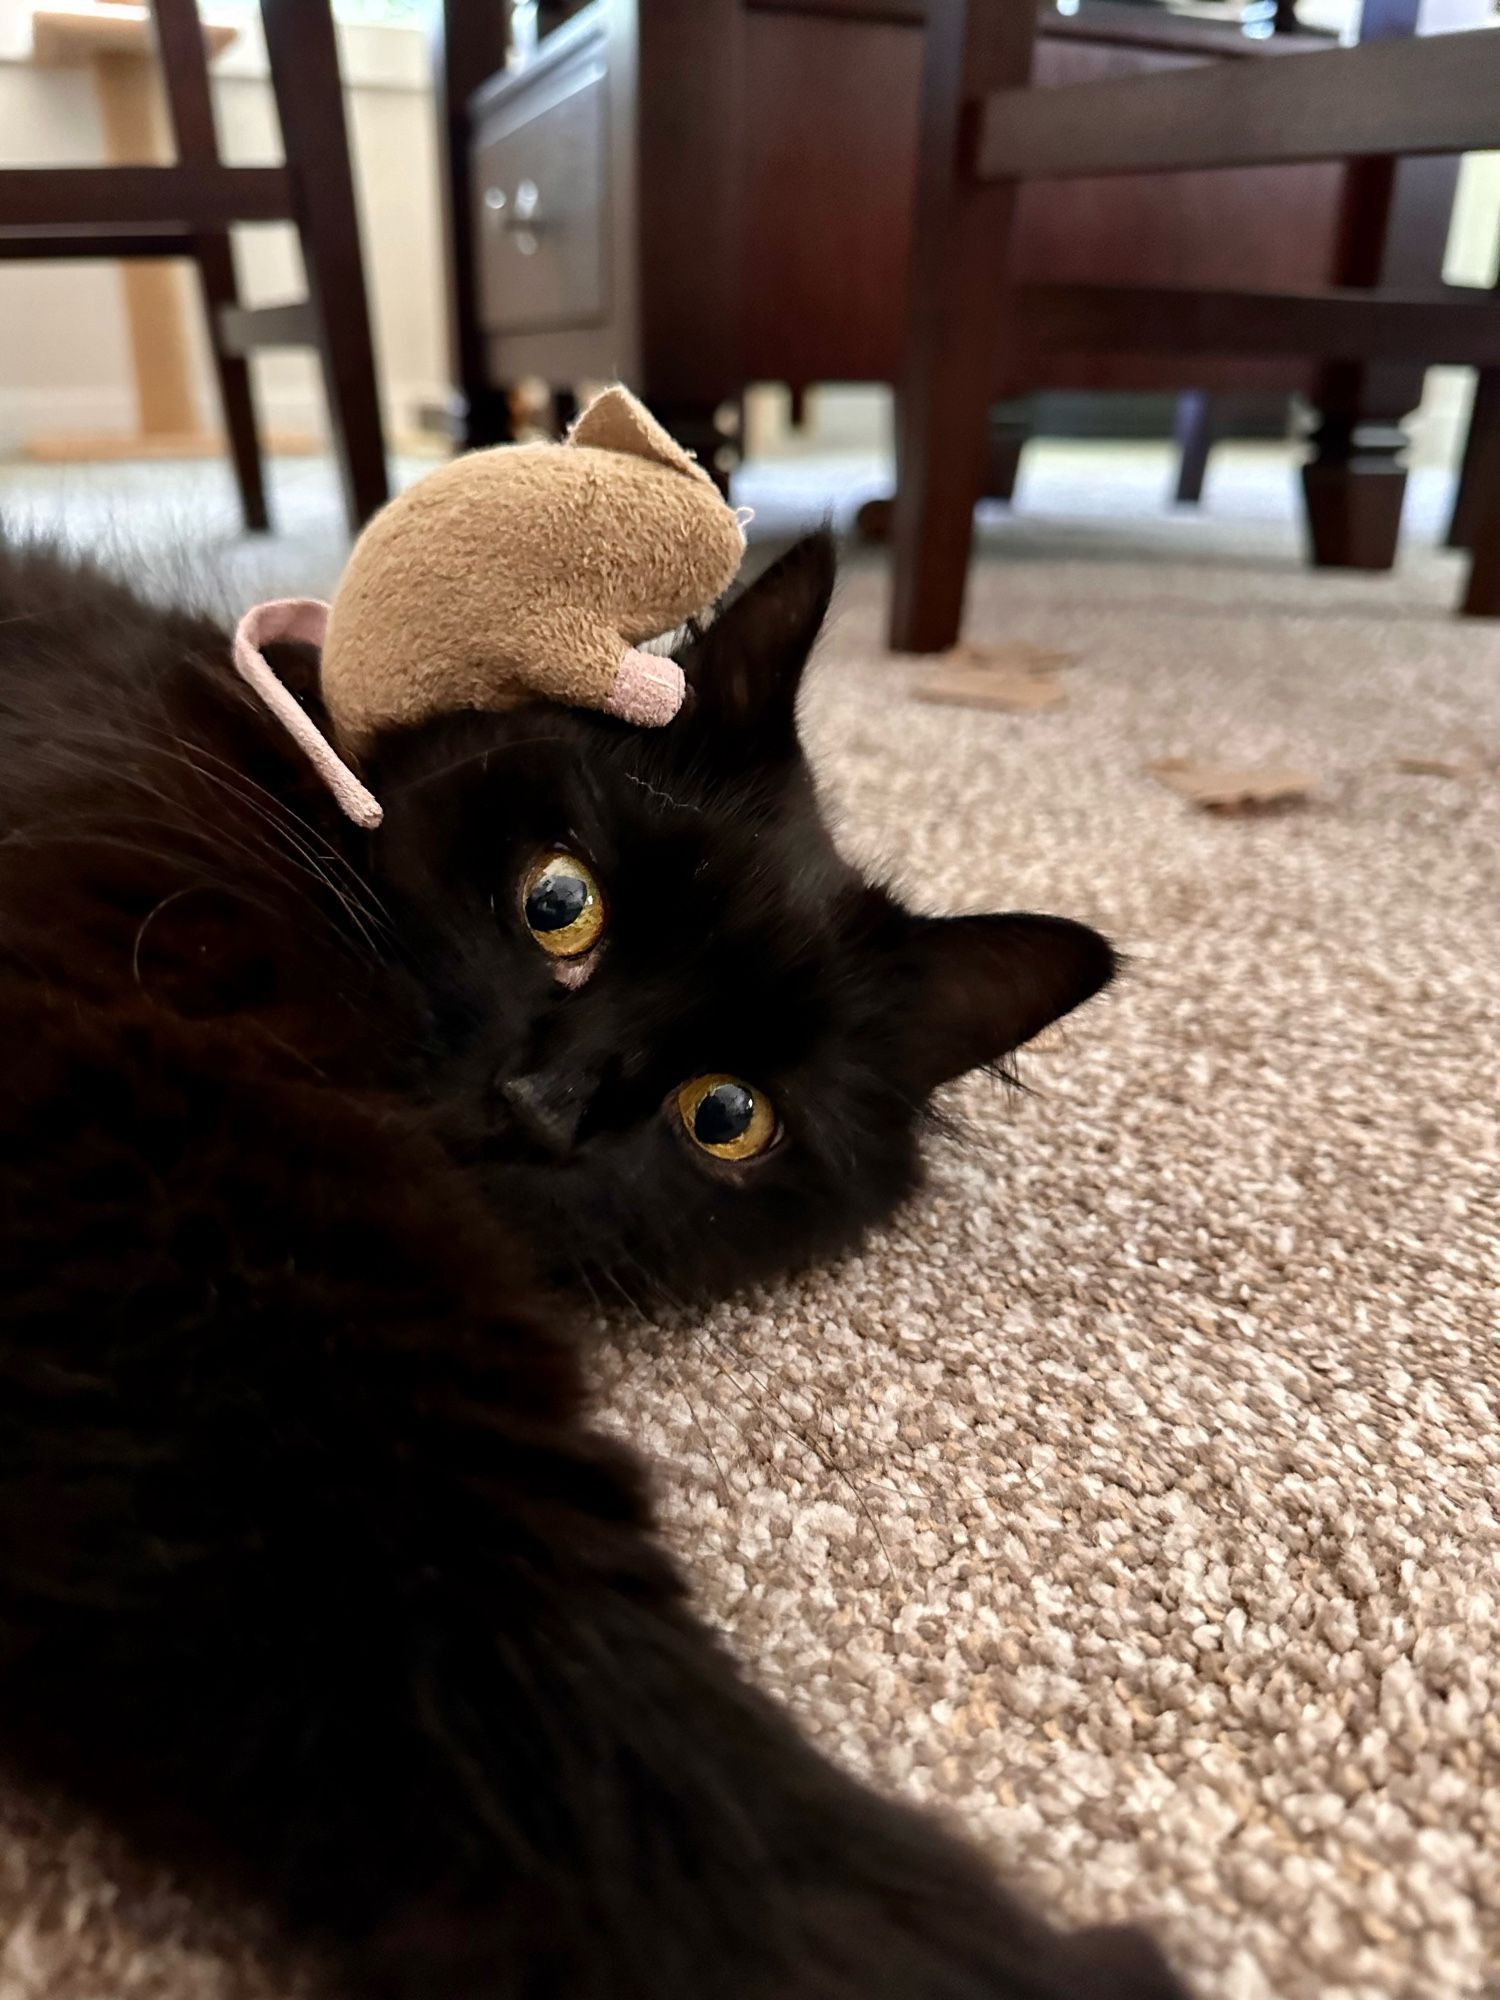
(1005, 441)
(1353, 487)
(1194, 433)
(872, 518)
(1476, 511)
(1482, 597)
(1481, 502)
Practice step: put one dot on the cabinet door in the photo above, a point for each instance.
(540, 203)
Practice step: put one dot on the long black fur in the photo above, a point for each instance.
(312, 1574)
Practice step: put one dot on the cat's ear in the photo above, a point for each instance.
(985, 985)
(746, 668)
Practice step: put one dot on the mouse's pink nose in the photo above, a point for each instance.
(646, 690)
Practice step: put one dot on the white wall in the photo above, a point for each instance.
(64, 358)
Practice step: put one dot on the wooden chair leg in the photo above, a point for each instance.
(1004, 444)
(1482, 597)
(468, 48)
(955, 307)
(179, 38)
(1481, 461)
(1479, 504)
(303, 56)
(216, 282)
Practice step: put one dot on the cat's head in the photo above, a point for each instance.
(685, 1043)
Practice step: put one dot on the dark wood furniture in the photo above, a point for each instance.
(185, 211)
(747, 212)
(722, 192)
(1480, 474)
(989, 129)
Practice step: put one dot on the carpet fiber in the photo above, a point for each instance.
(1132, 1498)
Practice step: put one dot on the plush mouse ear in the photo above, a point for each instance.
(615, 421)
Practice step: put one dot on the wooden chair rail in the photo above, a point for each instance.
(140, 197)
(60, 245)
(1341, 325)
(1433, 94)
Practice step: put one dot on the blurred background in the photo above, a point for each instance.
(717, 202)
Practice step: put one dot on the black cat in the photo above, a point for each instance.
(311, 1573)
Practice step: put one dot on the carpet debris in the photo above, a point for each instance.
(1453, 764)
(1015, 675)
(1231, 788)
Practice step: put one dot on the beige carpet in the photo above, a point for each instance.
(1134, 1497)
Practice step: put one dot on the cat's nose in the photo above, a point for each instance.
(548, 1106)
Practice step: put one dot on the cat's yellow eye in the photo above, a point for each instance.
(563, 906)
(726, 1117)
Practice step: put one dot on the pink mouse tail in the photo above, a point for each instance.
(304, 618)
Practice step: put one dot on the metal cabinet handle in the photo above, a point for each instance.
(519, 214)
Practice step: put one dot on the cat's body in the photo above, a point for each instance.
(311, 1572)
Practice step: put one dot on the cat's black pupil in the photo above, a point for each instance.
(557, 899)
(724, 1114)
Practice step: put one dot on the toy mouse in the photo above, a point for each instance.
(526, 573)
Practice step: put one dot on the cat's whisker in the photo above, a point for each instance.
(817, 1442)
(687, 1401)
(792, 1429)
(283, 821)
(170, 743)
(290, 813)
(80, 834)
(145, 924)
(790, 1426)
(294, 848)
(701, 1428)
